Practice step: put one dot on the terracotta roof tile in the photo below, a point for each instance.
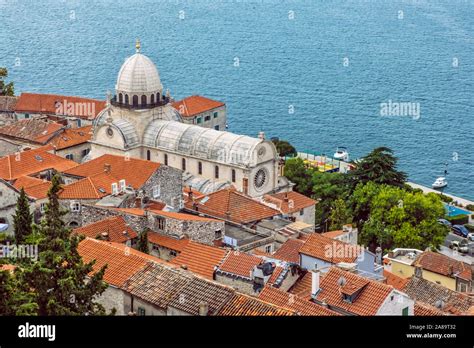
(302, 286)
(431, 293)
(167, 242)
(289, 251)
(182, 216)
(200, 259)
(243, 305)
(196, 104)
(444, 265)
(293, 302)
(157, 284)
(326, 249)
(289, 202)
(115, 227)
(134, 171)
(276, 273)
(332, 234)
(72, 137)
(32, 130)
(122, 262)
(231, 205)
(202, 290)
(394, 280)
(424, 309)
(31, 162)
(240, 264)
(48, 104)
(371, 295)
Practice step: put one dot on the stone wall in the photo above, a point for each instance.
(111, 298)
(170, 184)
(76, 151)
(91, 213)
(238, 283)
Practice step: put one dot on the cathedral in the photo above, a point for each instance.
(139, 121)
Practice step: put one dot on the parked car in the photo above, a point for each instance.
(444, 222)
(460, 246)
(460, 230)
(470, 236)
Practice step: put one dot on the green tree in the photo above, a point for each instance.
(400, 219)
(15, 298)
(23, 219)
(6, 89)
(284, 148)
(142, 244)
(340, 215)
(379, 166)
(326, 189)
(60, 277)
(299, 173)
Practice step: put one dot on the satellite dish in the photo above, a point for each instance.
(341, 281)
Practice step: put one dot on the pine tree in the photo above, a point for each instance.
(15, 298)
(23, 219)
(142, 244)
(60, 277)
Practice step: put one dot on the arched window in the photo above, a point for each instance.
(157, 97)
(143, 99)
(148, 155)
(120, 98)
(126, 99)
(166, 159)
(152, 99)
(216, 172)
(233, 175)
(73, 224)
(200, 168)
(135, 100)
(183, 164)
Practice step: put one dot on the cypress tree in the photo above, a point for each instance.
(23, 219)
(60, 277)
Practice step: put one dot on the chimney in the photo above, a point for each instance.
(261, 135)
(378, 255)
(314, 282)
(107, 167)
(184, 266)
(347, 228)
(203, 309)
(418, 272)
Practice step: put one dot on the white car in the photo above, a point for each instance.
(470, 237)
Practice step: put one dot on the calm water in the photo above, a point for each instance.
(77, 48)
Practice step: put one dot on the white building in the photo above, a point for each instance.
(140, 121)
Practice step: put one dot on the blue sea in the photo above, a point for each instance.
(314, 72)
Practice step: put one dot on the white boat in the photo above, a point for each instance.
(341, 154)
(440, 182)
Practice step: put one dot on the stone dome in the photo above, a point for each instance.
(138, 75)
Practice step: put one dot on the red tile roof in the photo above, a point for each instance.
(72, 137)
(302, 287)
(34, 187)
(200, 259)
(329, 250)
(167, 242)
(243, 305)
(182, 216)
(289, 202)
(371, 295)
(394, 280)
(333, 234)
(50, 104)
(289, 251)
(240, 263)
(135, 171)
(231, 205)
(122, 262)
(276, 273)
(31, 162)
(424, 309)
(293, 302)
(196, 104)
(115, 227)
(32, 130)
(444, 265)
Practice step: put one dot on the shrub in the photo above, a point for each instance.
(470, 207)
(445, 198)
(460, 219)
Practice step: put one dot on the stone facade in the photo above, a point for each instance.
(165, 185)
(92, 213)
(112, 298)
(77, 152)
(8, 198)
(306, 215)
